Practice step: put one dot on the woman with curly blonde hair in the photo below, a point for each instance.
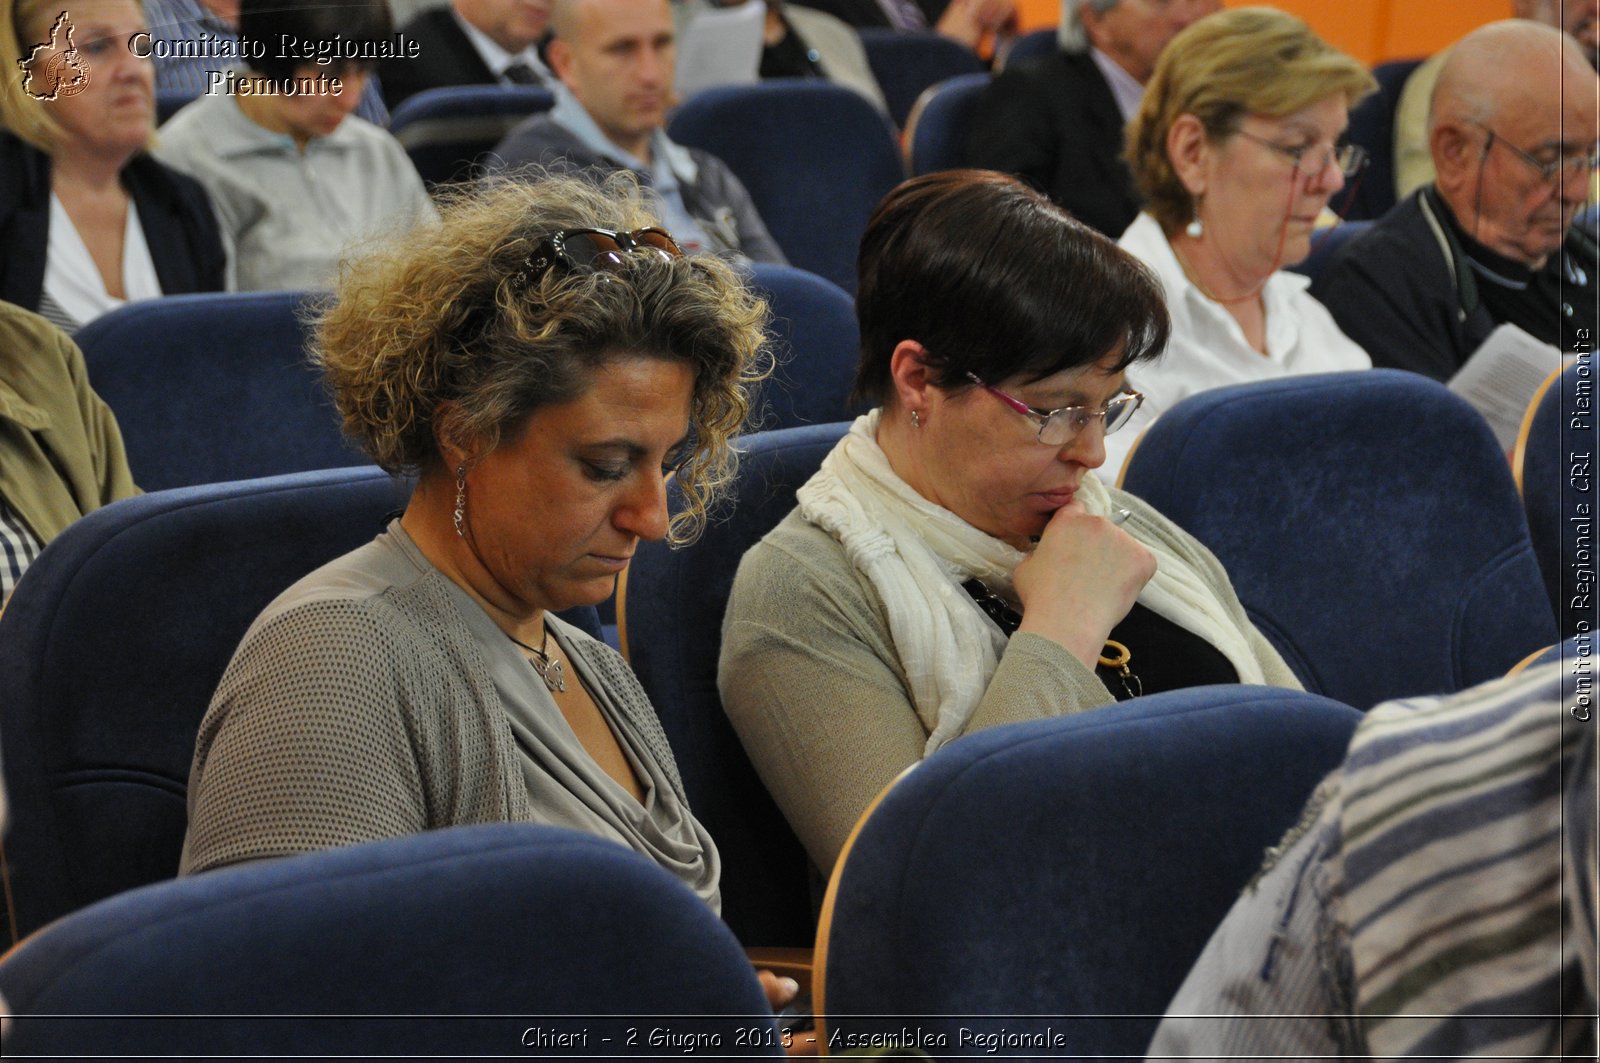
(543, 360)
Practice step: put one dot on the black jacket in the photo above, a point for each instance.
(445, 57)
(1053, 122)
(174, 212)
(861, 13)
(1404, 291)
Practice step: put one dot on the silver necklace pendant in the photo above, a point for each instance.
(552, 672)
(549, 669)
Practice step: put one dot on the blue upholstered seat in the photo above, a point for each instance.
(488, 940)
(816, 158)
(673, 602)
(1324, 242)
(215, 387)
(937, 128)
(1061, 876)
(817, 345)
(905, 64)
(170, 103)
(1369, 523)
(1035, 42)
(110, 649)
(448, 131)
(1555, 468)
(1372, 127)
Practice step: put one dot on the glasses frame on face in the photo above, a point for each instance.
(1574, 165)
(596, 249)
(1350, 158)
(1112, 416)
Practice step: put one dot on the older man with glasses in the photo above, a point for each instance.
(1513, 135)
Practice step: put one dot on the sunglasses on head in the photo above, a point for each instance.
(596, 249)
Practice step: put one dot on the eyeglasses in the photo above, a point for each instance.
(597, 249)
(1312, 160)
(1562, 168)
(1061, 426)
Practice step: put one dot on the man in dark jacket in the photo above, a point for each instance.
(1056, 121)
(615, 61)
(969, 22)
(471, 42)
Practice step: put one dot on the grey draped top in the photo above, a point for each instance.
(375, 698)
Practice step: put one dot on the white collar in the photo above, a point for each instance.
(1146, 242)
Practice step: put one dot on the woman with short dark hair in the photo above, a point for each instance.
(953, 565)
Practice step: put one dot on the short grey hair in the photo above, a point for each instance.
(1070, 35)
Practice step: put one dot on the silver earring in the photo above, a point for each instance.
(1194, 230)
(460, 515)
(916, 419)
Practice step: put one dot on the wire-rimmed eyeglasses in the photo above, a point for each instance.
(1062, 425)
(1312, 159)
(1561, 168)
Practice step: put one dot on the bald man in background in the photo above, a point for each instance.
(1413, 163)
(616, 60)
(1513, 136)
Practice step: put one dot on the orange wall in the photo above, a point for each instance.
(1370, 30)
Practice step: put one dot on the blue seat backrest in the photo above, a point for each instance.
(672, 612)
(170, 103)
(1036, 42)
(1324, 242)
(1062, 875)
(215, 387)
(817, 344)
(1557, 472)
(449, 132)
(455, 943)
(815, 157)
(939, 123)
(1372, 127)
(905, 64)
(110, 649)
(1368, 521)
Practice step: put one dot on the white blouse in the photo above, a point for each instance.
(1208, 348)
(71, 279)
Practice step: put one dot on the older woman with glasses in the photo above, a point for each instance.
(953, 565)
(1237, 150)
(541, 360)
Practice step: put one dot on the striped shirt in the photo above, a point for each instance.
(1437, 899)
(18, 548)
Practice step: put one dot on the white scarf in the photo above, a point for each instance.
(916, 555)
